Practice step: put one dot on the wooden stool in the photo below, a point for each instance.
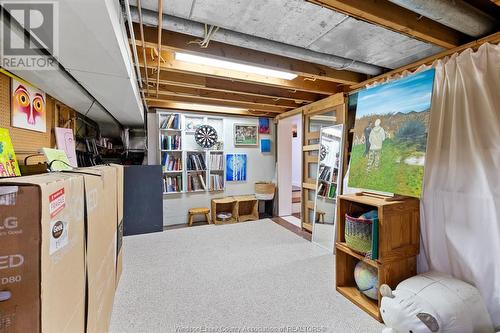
(198, 211)
(320, 217)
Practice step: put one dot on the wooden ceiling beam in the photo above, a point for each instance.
(396, 18)
(230, 104)
(224, 85)
(172, 90)
(299, 83)
(174, 41)
(327, 103)
(194, 107)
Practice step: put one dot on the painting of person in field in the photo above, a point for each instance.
(390, 135)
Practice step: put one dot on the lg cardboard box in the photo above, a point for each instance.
(101, 214)
(42, 254)
(119, 231)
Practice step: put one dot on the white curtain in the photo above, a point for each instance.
(460, 220)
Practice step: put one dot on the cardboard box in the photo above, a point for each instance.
(42, 254)
(101, 218)
(119, 231)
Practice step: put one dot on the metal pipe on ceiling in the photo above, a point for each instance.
(197, 29)
(139, 8)
(133, 47)
(456, 14)
(160, 28)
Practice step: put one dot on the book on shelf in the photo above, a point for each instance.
(216, 182)
(171, 121)
(171, 163)
(172, 184)
(324, 172)
(196, 161)
(170, 142)
(326, 190)
(195, 182)
(216, 161)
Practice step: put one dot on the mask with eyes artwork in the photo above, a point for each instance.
(28, 107)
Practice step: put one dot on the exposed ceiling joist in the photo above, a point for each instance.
(154, 103)
(231, 104)
(329, 102)
(174, 41)
(300, 83)
(172, 90)
(241, 88)
(396, 18)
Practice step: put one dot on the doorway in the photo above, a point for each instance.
(290, 168)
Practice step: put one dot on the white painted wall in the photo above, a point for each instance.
(261, 167)
(289, 160)
(297, 152)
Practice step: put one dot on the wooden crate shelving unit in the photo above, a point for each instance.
(227, 204)
(398, 242)
(247, 208)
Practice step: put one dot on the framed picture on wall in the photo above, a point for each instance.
(246, 135)
(265, 145)
(264, 126)
(236, 167)
(28, 107)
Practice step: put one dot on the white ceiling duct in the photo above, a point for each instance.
(96, 61)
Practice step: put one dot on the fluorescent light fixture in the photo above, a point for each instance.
(234, 66)
(206, 107)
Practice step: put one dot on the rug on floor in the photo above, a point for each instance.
(244, 277)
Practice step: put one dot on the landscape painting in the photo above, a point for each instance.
(390, 135)
(236, 167)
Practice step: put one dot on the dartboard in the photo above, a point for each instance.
(205, 136)
(323, 151)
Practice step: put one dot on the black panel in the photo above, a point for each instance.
(143, 200)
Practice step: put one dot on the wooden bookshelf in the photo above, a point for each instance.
(398, 246)
(170, 124)
(216, 171)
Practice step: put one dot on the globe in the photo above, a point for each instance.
(366, 279)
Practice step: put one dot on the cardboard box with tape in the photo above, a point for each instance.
(101, 213)
(42, 254)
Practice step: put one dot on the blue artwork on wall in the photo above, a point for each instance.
(236, 167)
(265, 145)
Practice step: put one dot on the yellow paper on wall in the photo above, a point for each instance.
(57, 159)
(8, 161)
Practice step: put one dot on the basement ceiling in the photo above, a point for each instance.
(303, 24)
(329, 47)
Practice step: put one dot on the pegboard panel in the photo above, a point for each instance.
(25, 142)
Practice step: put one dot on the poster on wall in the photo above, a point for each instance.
(8, 161)
(265, 145)
(28, 107)
(236, 167)
(390, 135)
(264, 126)
(246, 135)
(66, 141)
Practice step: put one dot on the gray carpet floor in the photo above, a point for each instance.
(245, 277)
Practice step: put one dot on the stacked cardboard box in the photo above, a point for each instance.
(42, 254)
(44, 246)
